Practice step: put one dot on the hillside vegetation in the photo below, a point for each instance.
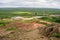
(9, 12)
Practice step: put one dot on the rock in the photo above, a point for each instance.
(48, 30)
(59, 29)
(4, 33)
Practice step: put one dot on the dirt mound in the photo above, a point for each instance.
(41, 32)
(50, 30)
(29, 26)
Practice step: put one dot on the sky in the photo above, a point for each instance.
(30, 3)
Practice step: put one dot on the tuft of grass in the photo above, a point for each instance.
(56, 35)
(10, 29)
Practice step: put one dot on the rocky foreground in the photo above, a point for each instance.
(30, 31)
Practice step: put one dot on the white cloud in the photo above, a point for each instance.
(30, 3)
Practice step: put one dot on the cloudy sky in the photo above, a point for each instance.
(30, 3)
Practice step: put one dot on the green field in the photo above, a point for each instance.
(9, 12)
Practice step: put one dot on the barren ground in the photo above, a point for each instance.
(23, 31)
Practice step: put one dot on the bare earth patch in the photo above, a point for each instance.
(27, 31)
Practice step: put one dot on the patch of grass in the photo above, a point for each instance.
(4, 22)
(1, 25)
(27, 16)
(9, 29)
(56, 35)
